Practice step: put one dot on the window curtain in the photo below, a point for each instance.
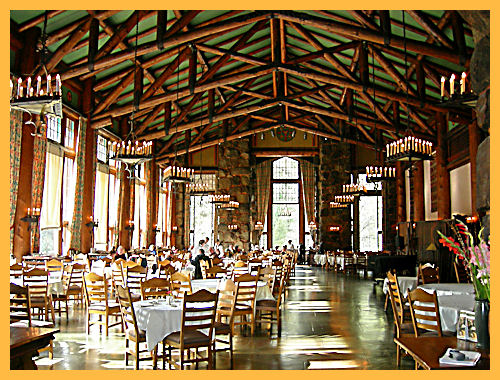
(309, 187)
(68, 199)
(38, 179)
(76, 223)
(101, 207)
(16, 132)
(114, 202)
(263, 183)
(50, 215)
(161, 218)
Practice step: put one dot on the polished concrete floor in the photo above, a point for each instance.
(330, 321)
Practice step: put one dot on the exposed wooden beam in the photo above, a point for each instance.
(431, 28)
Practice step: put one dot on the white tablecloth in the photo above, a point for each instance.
(55, 285)
(445, 289)
(404, 282)
(341, 260)
(449, 309)
(157, 321)
(320, 259)
(212, 284)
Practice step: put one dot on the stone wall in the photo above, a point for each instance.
(235, 174)
(334, 171)
(479, 22)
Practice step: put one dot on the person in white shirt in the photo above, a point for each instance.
(205, 245)
(290, 246)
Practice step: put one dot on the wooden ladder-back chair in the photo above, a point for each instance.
(268, 311)
(133, 278)
(16, 271)
(461, 273)
(63, 297)
(224, 309)
(40, 299)
(244, 302)
(54, 266)
(400, 312)
(76, 287)
(166, 271)
(180, 285)
(20, 313)
(268, 275)
(424, 309)
(132, 332)
(427, 275)
(216, 272)
(98, 303)
(204, 265)
(198, 317)
(155, 288)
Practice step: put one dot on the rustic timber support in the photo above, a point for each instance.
(418, 191)
(443, 177)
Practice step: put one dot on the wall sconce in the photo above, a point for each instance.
(156, 229)
(130, 226)
(174, 229)
(91, 223)
(259, 226)
(334, 228)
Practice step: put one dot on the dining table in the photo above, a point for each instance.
(426, 351)
(404, 282)
(320, 259)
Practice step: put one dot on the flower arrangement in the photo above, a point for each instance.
(475, 257)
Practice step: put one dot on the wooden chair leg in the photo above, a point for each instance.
(126, 352)
(386, 301)
(182, 358)
(209, 354)
(231, 350)
(398, 355)
(106, 323)
(136, 349)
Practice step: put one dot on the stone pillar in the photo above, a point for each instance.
(418, 191)
(234, 170)
(443, 176)
(152, 195)
(389, 220)
(479, 22)
(335, 166)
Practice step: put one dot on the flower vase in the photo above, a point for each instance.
(482, 311)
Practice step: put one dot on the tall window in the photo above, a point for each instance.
(370, 219)
(285, 201)
(59, 186)
(202, 212)
(140, 210)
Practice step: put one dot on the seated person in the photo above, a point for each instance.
(196, 262)
(120, 253)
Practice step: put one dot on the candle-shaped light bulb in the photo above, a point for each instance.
(19, 86)
(28, 86)
(452, 84)
(462, 83)
(31, 92)
(443, 80)
(49, 85)
(58, 85)
(38, 85)
(11, 88)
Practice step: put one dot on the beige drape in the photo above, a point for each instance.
(263, 183)
(309, 188)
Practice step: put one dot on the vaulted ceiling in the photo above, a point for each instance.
(200, 77)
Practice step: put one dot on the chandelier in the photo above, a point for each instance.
(25, 97)
(338, 205)
(177, 174)
(231, 205)
(354, 189)
(460, 96)
(259, 226)
(219, 198)
(232, 227)
(334, 228)
(36, 100)
(344, 199)
(409, 148)
(132, 151)
(198, 188)
(380, 173)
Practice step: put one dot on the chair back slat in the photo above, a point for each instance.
(424, 309)
(180, 284)
(155, 288)
(199, 311)
(20, 308)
